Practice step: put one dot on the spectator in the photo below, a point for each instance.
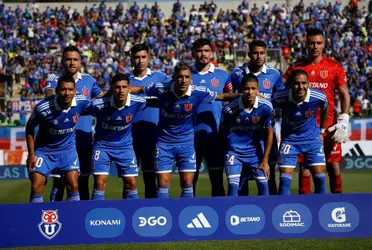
(357, 109)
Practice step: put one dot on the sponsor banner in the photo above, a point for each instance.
(27, 105)
(160, 220)
(357, 148)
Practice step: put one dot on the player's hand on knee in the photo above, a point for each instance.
(340, 129)
(264, 166)
(31, 162)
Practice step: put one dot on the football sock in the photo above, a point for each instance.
(36, 198)
(233, 185)
(335, 183)
(262, 186)
(187, 191)
(285, 184)
(73, 196)
(53, 194)
(131, 194)
(98, 195)
(319, 183)
(304, 184)
(163, 192)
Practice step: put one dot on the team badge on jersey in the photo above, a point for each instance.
(49, 226)
(266, 84)
(76, 118)
(309, 113)
(255, 119)
(324, 74)
(128, 118)
(188, 107)
(85, 91)
(214, 82)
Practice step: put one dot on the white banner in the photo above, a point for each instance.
(357, 148)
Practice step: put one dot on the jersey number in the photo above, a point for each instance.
(39, 162)
(284, 149)
(96, 154)
(231, 159)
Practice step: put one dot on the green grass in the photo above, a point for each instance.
(17, 191)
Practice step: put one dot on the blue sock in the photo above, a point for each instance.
(131, 194)
(53, 194)
(98, 195)
(163, 192)
(36, 198)
(187, 191)
(262, 185)
(233, 185)
(285, 184)
(319, 183)
(73, 196)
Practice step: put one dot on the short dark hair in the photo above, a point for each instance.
(70, 48)
(249, 78)
(257, 43)
(65, 78)
(200, 43)
(297, 72)
(139, 47)
(119, 77)
(181, 66)
(314, 32)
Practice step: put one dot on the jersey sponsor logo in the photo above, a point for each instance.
(198, 220)
(61, 131)
(85, 91)
(188, 107)
(129, 118)
(309, 113)
(214, 82)
(104, 223)
(114, 128)
(324, 74)
(245, 219)
(292, 218)
(49, 226)
(152, 221)
(339, 217)
(266, 84)
(255, 119)
(266, 95)
(318, 85)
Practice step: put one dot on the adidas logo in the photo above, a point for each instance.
(203, 81)
(177, 106)
(66, 120)
(298, 113)
(199, 222)
(355, 151)
(119, 118)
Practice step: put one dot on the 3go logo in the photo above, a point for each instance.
(152, 221)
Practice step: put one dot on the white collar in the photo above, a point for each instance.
(263, 70)
(56, 105)
(79, 76)
(148, 72)
(210, 70)
(188, 92)
(241, 105)
(307, 98)
(127, 103)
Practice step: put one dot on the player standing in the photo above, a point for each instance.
(113, 137)
(328, 76)
(55, 145)
(207, 144)
(248, 129)
(178, 105)
(85, 85)
(299, 131)
(269, 81)
(144, 124)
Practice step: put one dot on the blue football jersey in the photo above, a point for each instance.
(85, 85)
(149, 114)
(113, 130)
(177, 114)
(245, 129)
(56, 132)
(299, 119)
(209, 115)
(269, 80)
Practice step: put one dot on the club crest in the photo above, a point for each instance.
(214, 82)
(266, 84)
(324, 74)
(49, 226)
(129, 118)
(255, 119)
(75, 118)
(309, 113)
(85, 91)
(188, 107)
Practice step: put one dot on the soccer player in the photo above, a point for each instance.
(328, 76)
(85, 85)
(55, 146)
(144, 124)
(178, 105)
(207, 144)
(269, 81)
(248, 129)
(113, 137)
(299, 131)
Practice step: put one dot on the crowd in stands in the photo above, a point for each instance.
(31, 41)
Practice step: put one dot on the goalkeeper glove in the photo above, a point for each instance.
(340, 128)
